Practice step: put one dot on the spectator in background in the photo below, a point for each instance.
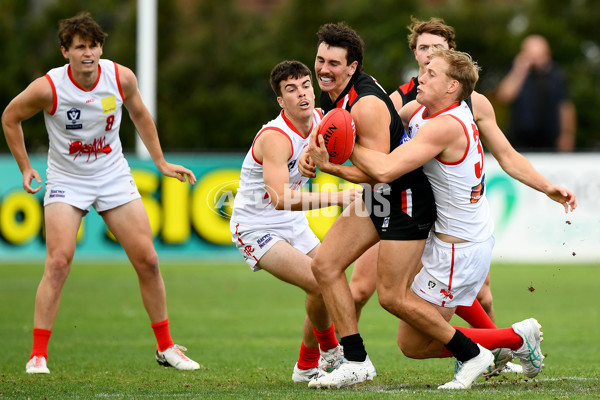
(542, 117)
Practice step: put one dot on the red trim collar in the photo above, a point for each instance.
(441, 111)
(70, 73)
(292, 127)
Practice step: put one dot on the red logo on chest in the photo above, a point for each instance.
(97, 146)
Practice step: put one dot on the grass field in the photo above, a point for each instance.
(244, 329)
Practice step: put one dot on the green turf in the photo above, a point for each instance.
(244, 329)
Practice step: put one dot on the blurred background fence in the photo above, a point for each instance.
(191, 223)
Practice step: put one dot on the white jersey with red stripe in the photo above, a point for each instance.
(459, 187)
(252, 204)
(83, 126)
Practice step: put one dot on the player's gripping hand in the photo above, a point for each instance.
(306, 166)
(318, 152)
(348, 196)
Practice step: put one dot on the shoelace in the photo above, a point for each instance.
(179, 350)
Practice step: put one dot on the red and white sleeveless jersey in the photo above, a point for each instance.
(252, 204)
(83, 126)
(458, 187)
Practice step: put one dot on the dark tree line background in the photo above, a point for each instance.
(215, 56)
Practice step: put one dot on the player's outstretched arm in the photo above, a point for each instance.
(510, 160)
(431, 141)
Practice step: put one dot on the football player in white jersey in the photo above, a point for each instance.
(268, 224)
(445, 141)
(425, 36)
(82, 103)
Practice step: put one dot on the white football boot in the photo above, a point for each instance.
(174, 357)
(306, 375)
(465, 373)
(349, 373)
(37, 365)
(530, 352)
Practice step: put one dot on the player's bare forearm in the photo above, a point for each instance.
(371, 162)
(296, 200)
(350, 173)
(518, 167)
(149, 135)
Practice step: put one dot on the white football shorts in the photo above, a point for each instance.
(453, 273)
(254, 241)
(103, 192)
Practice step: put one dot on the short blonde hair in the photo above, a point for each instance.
(462, 68)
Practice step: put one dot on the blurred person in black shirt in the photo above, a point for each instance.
(542, 117)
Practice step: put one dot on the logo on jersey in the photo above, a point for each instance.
(74, 119)
(291, 165)
(478, 191)
(109, 104)
(264, 240)
(430, 285)
(97, 146)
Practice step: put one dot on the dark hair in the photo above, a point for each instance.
(83, 25)
(285, 70)
(341, 35)
(435, 26)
